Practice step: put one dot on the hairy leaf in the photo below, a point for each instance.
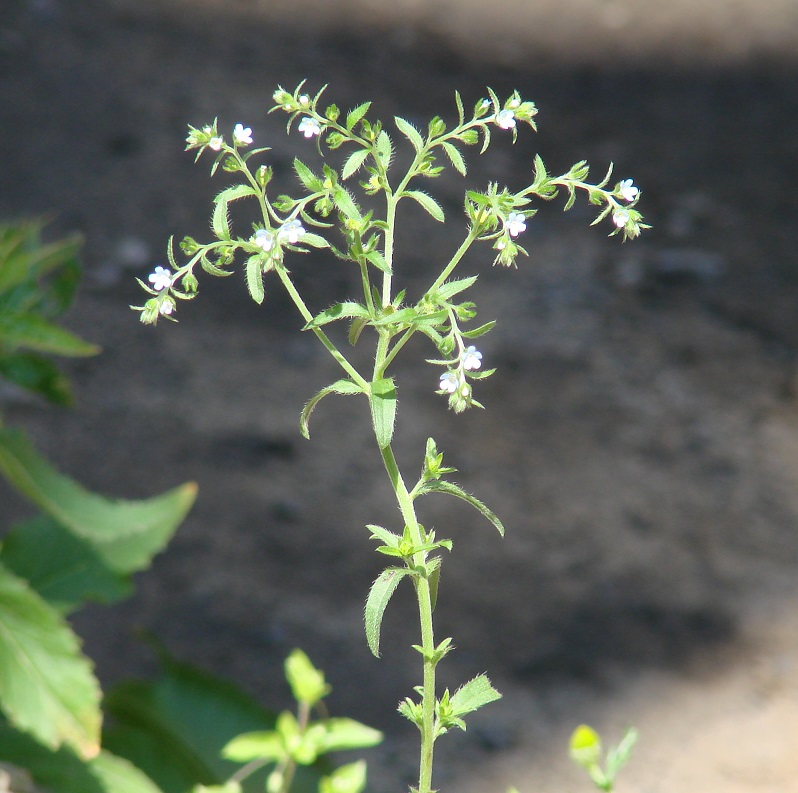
(428, 202)
(410, 132)
(440, 486)
(344, 387)
(379, 595)
(383, 410)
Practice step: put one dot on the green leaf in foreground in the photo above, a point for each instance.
(379, 595)
(125, 534)
(46, 685)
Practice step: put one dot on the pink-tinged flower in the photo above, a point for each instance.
(216, 143)
(505, 119)
(304, 100)
(264, 239)
(309, 127)
(627, 190)
(471, 358)
(242, 135)
(166, 307)
(515, 223)
(160, 278)
(450, 382)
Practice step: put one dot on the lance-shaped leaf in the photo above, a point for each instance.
(349, 778)
(472, 695)
(354, 115)
(428, 202)
(125, 534)
(379, 595)
(383, 410)
(306, 176)
(354, 162)
(32, 332)
(451, 288)
(46, 685)
(440, 486)
(454, 155)
(254, 271)
(344, 387)
(410, 132)
(346, 310)
(338, 735)
(220, 222)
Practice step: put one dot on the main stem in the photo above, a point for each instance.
(424, 597)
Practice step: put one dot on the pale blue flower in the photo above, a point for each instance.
(264, 239)
(471, 358)
(160, 279)
(291, 231)
(242, 135)
(309, 127)
(515, 223)
(450, 382)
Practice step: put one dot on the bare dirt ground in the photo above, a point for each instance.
(641, 435)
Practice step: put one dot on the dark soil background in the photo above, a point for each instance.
(640, 440)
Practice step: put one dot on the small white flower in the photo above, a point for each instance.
(216, 143)
(514, 103)
(471, 358)
(242, 135)
(620, 218)
(309, 127)
(628, 190)
(160, 279)
(291, 231)
(505, 119)
(515, 223)
(264, 239)
(304, 100)
(166, 307)
(450, 382)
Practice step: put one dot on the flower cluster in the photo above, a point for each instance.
(454, 383)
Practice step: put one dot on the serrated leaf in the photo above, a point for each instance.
(46, 685)
(71, 571)
(410, 132)
(428, 202)
(344, 387)
(354, 115)
(254, 272)
(33, 332)
(347, 309)
(473, 695)
(125, 534)
(456, 158)
(383, 410)
(353, 162)
(379, 595)
(440, 486)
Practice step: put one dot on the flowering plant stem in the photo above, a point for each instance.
(496, 216)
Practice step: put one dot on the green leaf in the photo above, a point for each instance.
(472, 695)
(585, 746)
(314, 240)
(341, 734)
(454, 155)
(354, 162)
(38, 374)
(378, 260)
(349, 778)
(384, 149)
(344, 387)
(379, 595)
(46, 685)
(451, 288)
(125, 534)
(345, 310)
(383, 410)
(344, 201)
(258, 745)
(306, 176)
(220, 222)
(439, 486)
(71, 571)
(118, 775)
(410, 132)
(307, 683)
(33, 332)
(428, 202)
(475, 333)
(354, 115)
(174, 728)
(254, 271)
(460, 112)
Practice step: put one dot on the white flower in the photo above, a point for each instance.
(514, 103)
(166, 307)
(505, 119)
(264, 239)
(471, 358)
(620, 218)
(628, 190)
(309, 127)
(160, 279)
(485, 104)
(291, 231)
(450, 382)
(216, 143)
(515, 223)
(242, 135)
(304, 100)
